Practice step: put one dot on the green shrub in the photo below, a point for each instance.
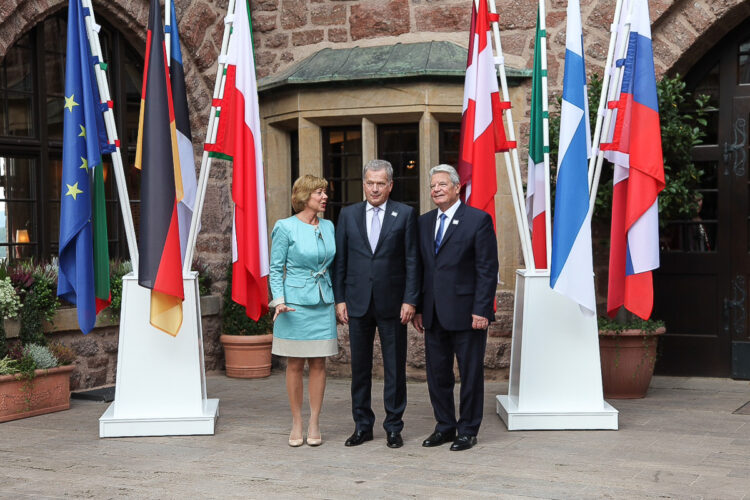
(234, 320)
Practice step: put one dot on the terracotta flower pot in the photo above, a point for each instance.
(628, 360)
(47, 392)
(247, 356)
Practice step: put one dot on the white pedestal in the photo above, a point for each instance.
(555, 373)
(161, 380)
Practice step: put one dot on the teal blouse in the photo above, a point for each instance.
(295, 249)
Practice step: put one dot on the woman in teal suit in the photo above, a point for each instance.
(302, 249)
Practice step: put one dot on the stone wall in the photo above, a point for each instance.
(96, 363)
(496, 358)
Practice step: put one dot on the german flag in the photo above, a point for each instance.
(157, 155)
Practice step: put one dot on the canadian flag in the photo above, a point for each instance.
(482, 130)
(239, 138)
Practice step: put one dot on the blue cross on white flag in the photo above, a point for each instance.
(572, 270)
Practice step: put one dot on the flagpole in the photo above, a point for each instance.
(545, 131)
(168, 30)
(602, 96)
(211, 130)
(92, 31)
(514, 171)
(612, 91)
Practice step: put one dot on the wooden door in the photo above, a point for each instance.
(701, 289)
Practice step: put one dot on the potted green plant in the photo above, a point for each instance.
(628, 356)
(247, 343)
(34, 380)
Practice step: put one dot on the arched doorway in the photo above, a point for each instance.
(701, 289)
(32, 82)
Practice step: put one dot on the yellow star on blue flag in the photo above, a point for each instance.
(83, 131)
(84, 164)
(73, 190)
(70, 103)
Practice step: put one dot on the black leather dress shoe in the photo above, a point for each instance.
(358, 438)
(394, 440)
(437, 438)
(463, 442)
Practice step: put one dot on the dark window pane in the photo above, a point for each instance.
(17, 65)
(342, 167)
(16, 178)
(450, 139)
(20, 114)
(710, 86)
(55, 118)
(54, 73)
(399, 144)
(743, 69)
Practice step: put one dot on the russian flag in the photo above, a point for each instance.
(638, 176)
(572, 269)
(482, 130)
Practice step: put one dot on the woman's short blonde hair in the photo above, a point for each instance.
(303, 188)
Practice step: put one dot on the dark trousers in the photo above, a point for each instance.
(393, 345)
(468, 347)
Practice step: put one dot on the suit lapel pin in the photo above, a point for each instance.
(394, 214)
(455, 222)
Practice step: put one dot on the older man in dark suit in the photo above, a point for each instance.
(376, 285)
(459, 267)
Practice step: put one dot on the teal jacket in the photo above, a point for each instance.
(297, 274)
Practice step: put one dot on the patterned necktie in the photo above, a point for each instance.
(374, 228)
(439, 235)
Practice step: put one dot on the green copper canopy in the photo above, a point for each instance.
(424, 60)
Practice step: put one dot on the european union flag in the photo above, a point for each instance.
(81, 202)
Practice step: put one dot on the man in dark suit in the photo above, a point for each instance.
(459, 278)
(376, 285)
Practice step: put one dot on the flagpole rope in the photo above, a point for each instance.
(545, 131)
(595, 139)
(514, 170)
(211, 131)
(611, 94)
(109, 120)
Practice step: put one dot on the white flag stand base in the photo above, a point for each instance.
(161, 380)
(555, 372)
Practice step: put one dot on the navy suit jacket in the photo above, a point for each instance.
(389, 273)
(461, 279)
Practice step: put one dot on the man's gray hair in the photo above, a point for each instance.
(377, 165)
(448, 170)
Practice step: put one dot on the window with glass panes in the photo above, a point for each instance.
(32, 87)
(399, 144)
(342, 167)
(448, 143)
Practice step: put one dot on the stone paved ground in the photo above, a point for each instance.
(682, 441)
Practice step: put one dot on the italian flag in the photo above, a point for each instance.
(535, 202)
(238, 138)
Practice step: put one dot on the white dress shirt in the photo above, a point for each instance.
(369, 213)
(448, 218)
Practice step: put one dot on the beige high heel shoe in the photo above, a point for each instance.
(295, 443)
(314, 441)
